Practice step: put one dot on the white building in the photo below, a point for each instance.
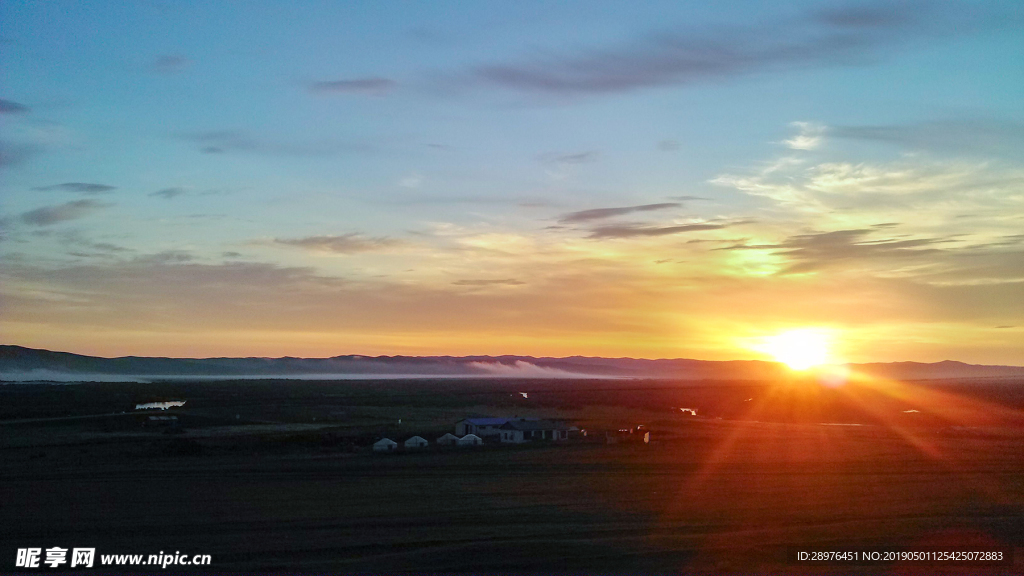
(470, 440)
(385, 445)
(448, 439)
(416, 442)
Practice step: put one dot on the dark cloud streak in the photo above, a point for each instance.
(601, 213)
(171, 64)
(632, 231)
(79, 187)
(9, 107)
(367, 86)
(351, 243)
(168, 193)
(48, 215)
(849, 35)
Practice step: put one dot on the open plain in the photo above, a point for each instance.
(267, 477)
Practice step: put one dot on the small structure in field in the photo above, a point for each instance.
(638, 434)
(470, 440)
(448, 439)
(416, 442)
(385, 445)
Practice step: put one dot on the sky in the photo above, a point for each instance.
(656, 179)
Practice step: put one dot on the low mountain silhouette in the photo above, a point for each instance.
(20, 363)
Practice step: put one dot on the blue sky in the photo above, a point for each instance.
(322, 177)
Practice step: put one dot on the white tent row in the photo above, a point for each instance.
(450, 439)
(389, 445)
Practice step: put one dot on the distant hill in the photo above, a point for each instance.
(20, 363)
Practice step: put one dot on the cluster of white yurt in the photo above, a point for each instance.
(450, 439)
(416, 442)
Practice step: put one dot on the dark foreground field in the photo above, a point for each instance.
(291, 494)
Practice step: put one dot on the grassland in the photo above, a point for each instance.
(278, 477)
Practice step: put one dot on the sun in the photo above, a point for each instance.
(799, 349)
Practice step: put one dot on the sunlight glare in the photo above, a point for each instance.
(799, 349)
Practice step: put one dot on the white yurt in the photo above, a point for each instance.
(385, 445)
(448, 439)
(470, 440)
(416, 442)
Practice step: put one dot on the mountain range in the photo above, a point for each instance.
(18, 363)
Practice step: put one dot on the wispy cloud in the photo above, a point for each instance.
(846, 35)
(602, 213)
(560, 166)
(168, 193)
(635, 230)
(48, 215)
(884, 189)
(809, 136)
(498, 282)
(239, 141)
(79, 187)
(411, 181)
(351, 243)
(171, 64)
(16, 153)
(574, 158)
(815, 251)
(374, 86)
(9, 107)
(989, 136)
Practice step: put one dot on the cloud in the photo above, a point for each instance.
(499, 282)
(576, 158)
(601, 213)
(171, 64)
(809, 137)
(351, 243)
(80, 187)
(842, 36)
(80, 243)
(15, 154)
(815, 251)
(411, 181)
(63, 212)
(989, 136)
(875, 16)
(9, 107)
(885, 189)
(634, 230)
(166, 257)
(669, 145)
(238, 141)
(168, 193)
(374, 86)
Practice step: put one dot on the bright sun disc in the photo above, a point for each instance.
(798, 349)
